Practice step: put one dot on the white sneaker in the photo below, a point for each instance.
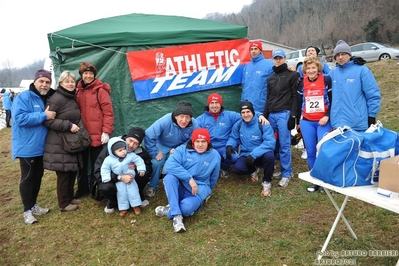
(254, 176)
(277, 174)
(284, 182)
(145, 203)
(29, 218)
(162, 210)
(266, 189)
(178, 225)
(37, 210)
(224, 174)
(304, 155)
(111, 210)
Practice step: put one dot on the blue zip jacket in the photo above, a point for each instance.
(254, 81)
(167, 133)
(28, 132)
(251, 140)
(355, 96)
(186, 163)
(220, 129)
(6, 101)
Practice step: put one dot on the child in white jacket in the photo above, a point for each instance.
(119, 161)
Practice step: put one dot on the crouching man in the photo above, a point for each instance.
(256, 144)
(191, 174)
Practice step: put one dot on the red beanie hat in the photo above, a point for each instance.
(215, 97)
(256, 44)
(200, 133)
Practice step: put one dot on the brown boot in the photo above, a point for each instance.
(123, 213)
(137, 210)
(69, 208)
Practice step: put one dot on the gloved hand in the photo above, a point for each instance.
(291, 123)
(249, 161)
(104, 138)
(229, 152)
(371, 121)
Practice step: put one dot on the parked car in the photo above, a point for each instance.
(373, 51)
(296, 58)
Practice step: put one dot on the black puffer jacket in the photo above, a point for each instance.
(282, 91)
(55, 158)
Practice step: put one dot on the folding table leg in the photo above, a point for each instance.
(339, 215)
(343, 216)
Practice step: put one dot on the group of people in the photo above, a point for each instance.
(326, 98)
(40, 116)
(189, 153)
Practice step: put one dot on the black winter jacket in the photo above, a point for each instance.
(55, 158)
(282, 91)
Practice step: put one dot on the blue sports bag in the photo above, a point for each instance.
(350, 158)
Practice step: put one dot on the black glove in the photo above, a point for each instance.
(229, 151)
(249, 161)
(371, 121)
(291, 122)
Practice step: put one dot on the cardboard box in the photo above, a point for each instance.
(388, 180)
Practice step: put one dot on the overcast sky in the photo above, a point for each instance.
(24, 24)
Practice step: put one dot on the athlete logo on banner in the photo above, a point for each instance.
(189, 68)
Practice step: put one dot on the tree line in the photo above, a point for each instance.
(299, 23)
(11, 76)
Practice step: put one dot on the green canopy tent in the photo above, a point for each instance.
(105, 42)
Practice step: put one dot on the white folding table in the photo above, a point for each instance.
(364, 193)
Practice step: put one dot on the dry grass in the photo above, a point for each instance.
(237, 227)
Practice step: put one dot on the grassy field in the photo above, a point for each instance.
(236, 227)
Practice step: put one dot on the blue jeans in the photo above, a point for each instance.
(279, 123)
(181, 200)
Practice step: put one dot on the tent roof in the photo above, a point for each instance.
(142, 29)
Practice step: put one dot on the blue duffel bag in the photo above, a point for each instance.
(349, 158)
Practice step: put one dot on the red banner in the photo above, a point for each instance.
(182, 69)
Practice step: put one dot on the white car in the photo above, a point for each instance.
(373, 51)
(296, 58)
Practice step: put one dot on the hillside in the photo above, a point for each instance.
(299, 23)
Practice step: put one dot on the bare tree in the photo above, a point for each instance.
(298, 23)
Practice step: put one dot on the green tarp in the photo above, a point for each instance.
(105, 43)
